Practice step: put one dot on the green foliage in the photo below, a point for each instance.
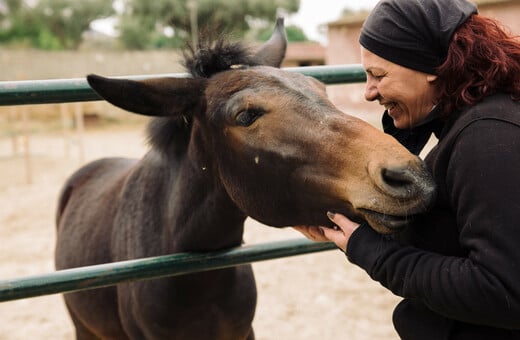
(50, 24)
(294, 33)
(143, 22)
(47, 41)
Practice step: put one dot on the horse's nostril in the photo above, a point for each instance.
(397, 177)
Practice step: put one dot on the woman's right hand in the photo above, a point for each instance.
(313, 233)
(339, 236)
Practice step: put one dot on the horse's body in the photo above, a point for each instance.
(236, 140)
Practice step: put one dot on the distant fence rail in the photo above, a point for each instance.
(76, 279)
(77, 89)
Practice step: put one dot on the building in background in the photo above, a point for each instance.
(305, 53)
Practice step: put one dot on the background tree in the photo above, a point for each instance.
(50, 24)
(294, 33)
(145, 24)
(142, 24)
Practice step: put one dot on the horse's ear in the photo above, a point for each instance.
(272, 52)
(152, 97)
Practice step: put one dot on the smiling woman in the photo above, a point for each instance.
(437, 66)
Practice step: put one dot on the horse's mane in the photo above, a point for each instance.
(171, 135)
(216, 55)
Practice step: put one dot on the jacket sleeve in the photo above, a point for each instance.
(483, 181)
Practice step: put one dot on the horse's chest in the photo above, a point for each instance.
(211, 305)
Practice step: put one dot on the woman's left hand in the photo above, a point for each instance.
(339, 236)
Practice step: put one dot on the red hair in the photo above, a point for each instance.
(483, 58)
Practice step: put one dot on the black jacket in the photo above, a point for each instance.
(458, 266)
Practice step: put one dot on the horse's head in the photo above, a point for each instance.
(282, 151)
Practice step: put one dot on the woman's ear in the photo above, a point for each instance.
(431, 78)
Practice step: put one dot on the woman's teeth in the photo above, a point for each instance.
(389, 106)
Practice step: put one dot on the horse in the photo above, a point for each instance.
(239, 137)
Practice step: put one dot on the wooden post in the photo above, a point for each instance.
(13, 133)
(80, 129)
(65, 126)
(26, 144)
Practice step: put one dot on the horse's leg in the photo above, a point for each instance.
(94, 314)
(82, 332)
(251, 335)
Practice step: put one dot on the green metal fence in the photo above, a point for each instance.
(78, 90)
(75, 90)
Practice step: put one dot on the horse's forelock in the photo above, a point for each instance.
(214, 56)
(172, 134)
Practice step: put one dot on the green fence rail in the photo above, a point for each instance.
(103, 275)
(63, 281)
(78, 90)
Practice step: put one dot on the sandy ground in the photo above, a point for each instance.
(317, 296)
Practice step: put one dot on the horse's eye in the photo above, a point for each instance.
(248, 117)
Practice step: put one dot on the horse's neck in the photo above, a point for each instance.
(192, 210)
(202, 214)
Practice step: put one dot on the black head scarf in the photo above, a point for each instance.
(414, 33)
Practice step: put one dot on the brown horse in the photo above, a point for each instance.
(240, 138)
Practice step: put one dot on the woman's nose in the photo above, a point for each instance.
(371, 92)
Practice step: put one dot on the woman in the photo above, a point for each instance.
(439, 67)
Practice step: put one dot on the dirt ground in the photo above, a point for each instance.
(316, 296)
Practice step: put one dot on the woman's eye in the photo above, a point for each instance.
(247, 117)
(375, 76)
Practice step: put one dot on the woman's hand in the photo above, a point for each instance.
(339, 236)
